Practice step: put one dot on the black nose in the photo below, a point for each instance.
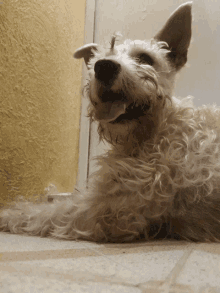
(106, 71)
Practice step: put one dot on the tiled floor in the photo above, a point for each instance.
(32, 264)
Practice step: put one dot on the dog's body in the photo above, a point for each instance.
(161, 177)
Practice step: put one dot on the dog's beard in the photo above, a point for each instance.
(117, 133)
(129, 135)
(131, 129)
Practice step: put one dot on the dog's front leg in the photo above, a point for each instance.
(42, 219)
(97, 216)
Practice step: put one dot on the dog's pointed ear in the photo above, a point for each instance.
(177, 34)
(86, 52)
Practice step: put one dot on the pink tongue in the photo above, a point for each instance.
(110, 111)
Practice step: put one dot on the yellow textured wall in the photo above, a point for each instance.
(40, 86)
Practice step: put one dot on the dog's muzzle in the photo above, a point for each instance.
(112, 104)
(106, 71)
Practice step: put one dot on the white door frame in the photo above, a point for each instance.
(85, 124)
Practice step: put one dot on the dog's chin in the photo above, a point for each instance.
(133, 112)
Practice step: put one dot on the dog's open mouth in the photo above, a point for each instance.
(132, 112)
(116, 108)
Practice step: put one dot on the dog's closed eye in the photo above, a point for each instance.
(144, 58)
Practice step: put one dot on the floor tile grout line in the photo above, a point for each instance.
(171, 279)
(170, 275)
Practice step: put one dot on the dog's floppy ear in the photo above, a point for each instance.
(85, 52)
(177, 34)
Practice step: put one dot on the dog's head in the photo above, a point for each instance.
(130, 83)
